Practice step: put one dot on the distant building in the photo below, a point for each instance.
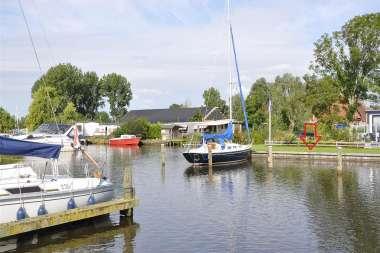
(179, 122)
(90, 129)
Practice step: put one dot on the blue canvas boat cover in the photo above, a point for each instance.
(10, 146)
(227, 135)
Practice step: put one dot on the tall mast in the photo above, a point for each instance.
(239, 82)
(229, 55)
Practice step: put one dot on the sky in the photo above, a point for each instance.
(170, 50)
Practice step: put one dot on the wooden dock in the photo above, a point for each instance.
(123, 205)
(55, 219)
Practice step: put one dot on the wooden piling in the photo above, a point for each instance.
(209, 148)
(270, 156)
(128, 190)
(162, 155)
(340, 161)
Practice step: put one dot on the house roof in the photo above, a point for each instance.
(172, 115)
(52, 128)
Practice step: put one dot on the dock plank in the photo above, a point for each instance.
(54, 219)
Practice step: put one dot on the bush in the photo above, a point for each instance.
(285, 136)
(154, 131)
(259, 135)
(139, 127)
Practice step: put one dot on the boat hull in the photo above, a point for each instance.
(54, 201)
(201, 159)
(125, 142)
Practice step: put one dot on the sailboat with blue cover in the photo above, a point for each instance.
(224, 151)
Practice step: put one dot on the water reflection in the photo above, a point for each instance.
(297, 206)
(100, 234)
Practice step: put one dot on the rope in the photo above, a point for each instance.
(39, 66)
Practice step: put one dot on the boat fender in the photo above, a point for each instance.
(71, 204)
(91, 199)
(21, 213)
(42, 210)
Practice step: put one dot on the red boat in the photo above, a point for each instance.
(124, 140)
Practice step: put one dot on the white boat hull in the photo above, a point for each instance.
(54, 201)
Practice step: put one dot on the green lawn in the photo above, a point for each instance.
(317, 149)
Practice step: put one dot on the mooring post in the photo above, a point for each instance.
(162, 155)
(209, 160)
(128, 190)
(340, 161)
(270, 156)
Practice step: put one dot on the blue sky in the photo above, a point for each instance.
(169, 50)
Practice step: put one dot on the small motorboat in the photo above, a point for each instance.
(125, 140)
(23, 194)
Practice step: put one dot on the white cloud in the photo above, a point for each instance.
(174, 47)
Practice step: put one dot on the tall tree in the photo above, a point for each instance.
(288, 98)
(45, 107)
(69, 114)
(237, 109)
(7, 122)
(349, 57)
(102, 117)
(322, 95)
(118, 90)
(73, 85)
(211, 98)
(257, 101)
(90, 98)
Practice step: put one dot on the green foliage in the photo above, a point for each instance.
(211, 98)
(154, 131)
(285, 136)
(70, 83)
(120, 130)
(138, 127)
(237, 110)
(7, 122)
(197, 116)
(350, 57)
(321, 95)
(288, 99)
(102, 117)
(259, 135)
(46, 103)
(257, 101)
(330, 133)
(118, 90)
(69, 114)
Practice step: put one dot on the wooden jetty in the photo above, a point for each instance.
(123, 205)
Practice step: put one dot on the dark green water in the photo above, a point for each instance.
(296, 207)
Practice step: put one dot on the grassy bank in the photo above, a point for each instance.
(9, 159)
(332, 149)
(98, 140)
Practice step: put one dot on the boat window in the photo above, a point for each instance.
(27, 189)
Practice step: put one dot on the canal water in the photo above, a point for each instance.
(298, 206)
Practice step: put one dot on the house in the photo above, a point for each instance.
(180, 122)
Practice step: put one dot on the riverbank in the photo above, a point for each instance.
(262, 148)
